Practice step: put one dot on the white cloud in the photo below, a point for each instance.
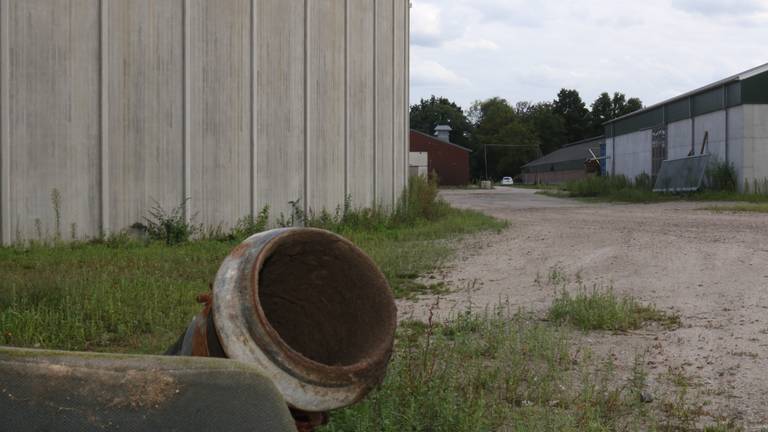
(720, 7)
(473, 44)
(425, 24)
(524, 50)
(429, 73)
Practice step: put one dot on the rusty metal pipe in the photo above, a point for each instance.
(306, 306)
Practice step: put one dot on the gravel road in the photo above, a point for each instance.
(711, 268)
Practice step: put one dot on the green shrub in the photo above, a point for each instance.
(644, 182)
(721, 176)
(420, 201)
(171, 226)
(250, 225)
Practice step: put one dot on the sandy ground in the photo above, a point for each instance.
(711, 268)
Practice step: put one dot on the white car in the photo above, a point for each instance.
(507, 181)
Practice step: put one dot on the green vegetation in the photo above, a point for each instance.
(126, 295)
(739, 208)
(720, 181)
(603, 309)
(486, 371)
(505, 370)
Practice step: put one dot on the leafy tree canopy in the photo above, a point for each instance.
(435, 111)
(496, 122)
(575, 114)
(606, 108)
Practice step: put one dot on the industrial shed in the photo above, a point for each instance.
(565, 164)
(448, 160)
(227, 106)
(732, 114)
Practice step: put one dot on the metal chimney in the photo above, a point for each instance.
(443, 133)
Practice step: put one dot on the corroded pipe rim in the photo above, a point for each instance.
(247, 335)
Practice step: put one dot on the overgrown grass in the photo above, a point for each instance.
(490, 371)
(505, 370)
(125, 295)
(622, 189)
(603, 309)
(739, 208)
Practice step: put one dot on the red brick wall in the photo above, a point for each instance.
(450, 162)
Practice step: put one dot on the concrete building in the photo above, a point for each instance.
(227, 106)
(448, 160)
(732, 114)
(563, 165)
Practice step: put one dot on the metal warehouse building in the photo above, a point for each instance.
(233, 104)
(729, 119)
(563, 165)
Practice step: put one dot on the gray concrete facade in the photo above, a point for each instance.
(231, 104)
(738, 135)
(732, 113)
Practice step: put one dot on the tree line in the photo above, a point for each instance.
(535, 129)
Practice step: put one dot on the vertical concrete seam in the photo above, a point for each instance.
(5, 134)
(407, 90)
(254, 113)
(186, 145)
(394, 95)
(346, 99)
(725, 106)
(375, 77)
(104, 114)
(306, 108)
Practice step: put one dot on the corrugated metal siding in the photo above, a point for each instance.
(708, 102)
(644, 120)
(755, 90)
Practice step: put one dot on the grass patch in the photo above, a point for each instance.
(603, 309)
(488, 371)
(639, 190)
(739, 208)
(121, 295)
(504, 370)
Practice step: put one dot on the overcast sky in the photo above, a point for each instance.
(526, 50)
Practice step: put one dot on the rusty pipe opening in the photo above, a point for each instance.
(309, 308)
(324, 299)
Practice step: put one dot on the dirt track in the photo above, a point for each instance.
(711, 268)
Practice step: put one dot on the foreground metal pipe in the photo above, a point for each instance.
(309, 309)
(43, 390)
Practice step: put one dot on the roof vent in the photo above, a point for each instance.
(443, 133)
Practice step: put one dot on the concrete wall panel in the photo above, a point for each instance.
(714, 123)
(736, 141)
(360, 102)
(756, 142)
(146, 116)
(384, 102)
(327, 111)
(53, 115)
(679, 139)
(220, 105)
(235, 104)
(280, 105)
(633, 154)
(400, 72)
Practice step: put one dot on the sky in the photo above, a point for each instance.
(527, 50)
